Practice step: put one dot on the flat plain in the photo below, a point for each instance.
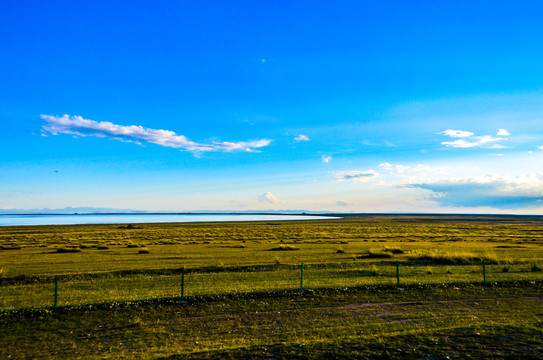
(241, 284)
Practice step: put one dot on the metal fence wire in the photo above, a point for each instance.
(28, 292)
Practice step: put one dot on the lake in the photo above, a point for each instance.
(80, 219)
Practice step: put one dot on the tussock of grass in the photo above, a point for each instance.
(12, 247)
(379, 254)
(450, 257)
(285, 248)
(395, 251)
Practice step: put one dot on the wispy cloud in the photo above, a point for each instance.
(470, 141)
(343, 203)
(326, 159)
(402, 169)
(503, 132)
(356, 176)
(76, 125)
(457, 133)
(480, 141)
(301, 137)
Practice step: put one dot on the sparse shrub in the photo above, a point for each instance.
(102, 247)
(535, 267)
(129, 227)
(340, 251)
(505, 269)
(143, 251)
(374, 271)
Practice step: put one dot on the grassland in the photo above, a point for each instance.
(246, 272)
(41, 250)
(436, 322)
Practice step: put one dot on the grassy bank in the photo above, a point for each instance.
(419, 322)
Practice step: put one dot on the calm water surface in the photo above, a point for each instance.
(78, 219)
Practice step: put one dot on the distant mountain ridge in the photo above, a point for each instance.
(98, 210)
(69, 210)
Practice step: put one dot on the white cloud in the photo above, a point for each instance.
(270, 198)
(503, 132)
(356, 176)
(478, 141)
(301, 137)
(456, 133)
(76, 125)
(540, 147)
(343, 203)
(326, 159)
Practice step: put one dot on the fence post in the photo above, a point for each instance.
(484, 272)
(302, 278)
(183, 284)
(182, 300)
(55, 306)
(398, 274)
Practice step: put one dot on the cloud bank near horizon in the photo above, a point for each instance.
(502, 192)
(77, 125)
(498, 191)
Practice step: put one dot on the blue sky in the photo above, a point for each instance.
(365, 106)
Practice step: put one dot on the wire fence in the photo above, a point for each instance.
(60, 291)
